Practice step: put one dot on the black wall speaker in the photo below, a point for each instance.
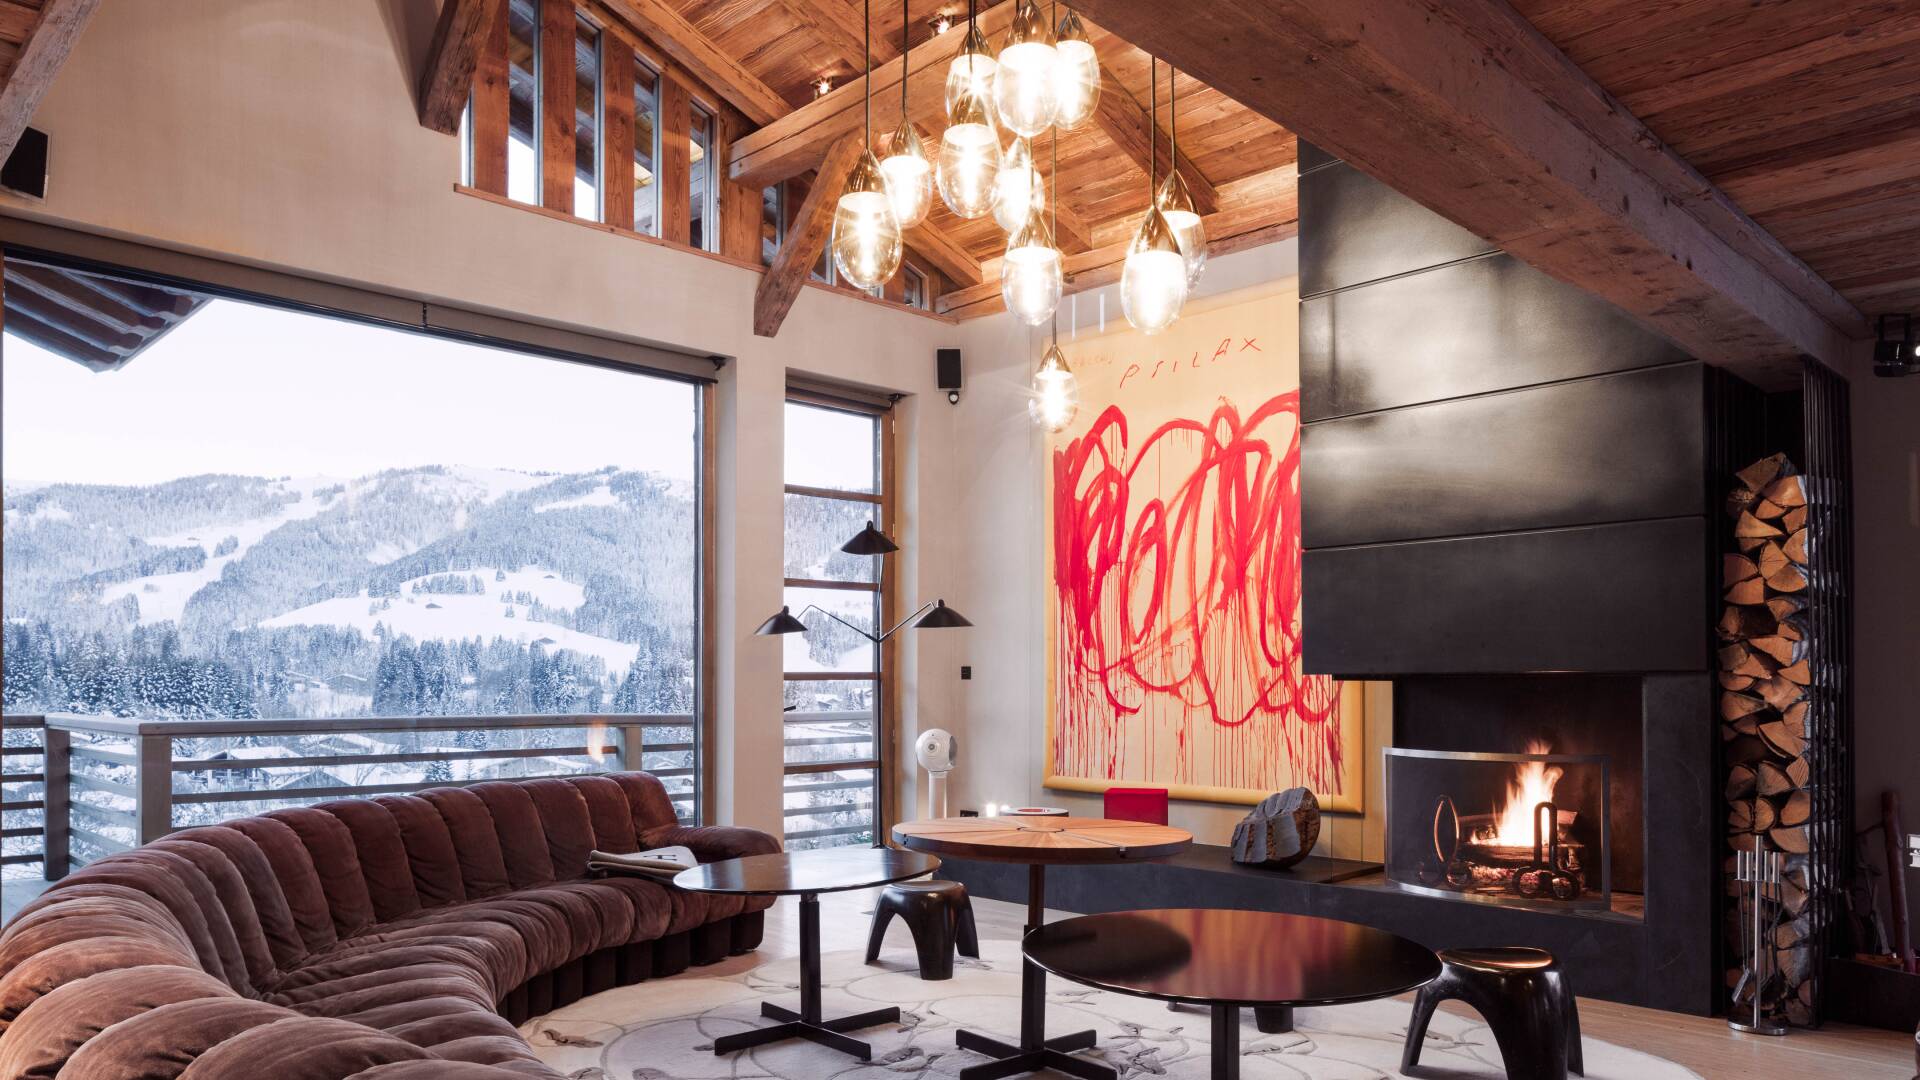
(947, 363)
(25, 171)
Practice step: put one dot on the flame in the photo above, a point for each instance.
(596, 742)
(1531, 784)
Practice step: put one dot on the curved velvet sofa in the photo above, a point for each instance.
(394, 938)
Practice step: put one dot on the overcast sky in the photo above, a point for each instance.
(262, 391)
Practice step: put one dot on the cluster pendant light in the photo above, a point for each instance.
(1153, 285)
(1175, 201)
(1030, 271)
(909, 174)
(866, 231)
(970, 148)
(1019, 188)
(1054, 395)
(1076, 74)
(1023, 86)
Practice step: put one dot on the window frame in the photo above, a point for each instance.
(221, 279)
(886, 590)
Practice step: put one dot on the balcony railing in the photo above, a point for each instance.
(101, 784)
(829, 783)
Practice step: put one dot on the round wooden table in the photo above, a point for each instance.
(1039, 843)
(1229, 959)
(807, 874)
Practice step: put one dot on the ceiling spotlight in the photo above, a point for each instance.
(1896, 356)
(823, 87)
(940, 23)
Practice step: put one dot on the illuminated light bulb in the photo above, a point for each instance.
(1153, 285)
(1019, 187)
(1030, 271)
(972, 70)
(866, 235)
(1076, 74)
(1176, 205)
(1055, 393)
(909, 176)
(1023, 93)
(969, 158)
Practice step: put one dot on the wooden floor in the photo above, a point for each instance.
(1707, 1046)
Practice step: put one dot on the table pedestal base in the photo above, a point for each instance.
(808, 1024)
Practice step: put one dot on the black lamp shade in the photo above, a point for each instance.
(870, 541)
(940, 617)
(781, 623)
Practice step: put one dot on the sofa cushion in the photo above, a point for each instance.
(273, 917)
(382, 856)
(523, 839)
(431, 856)
(161, 1043)
(301, 1048)
(71, 961)
(298, 878)
(48, 1032)
(336, 863)
(476, 842)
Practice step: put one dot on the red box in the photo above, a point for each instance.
(1148, 804)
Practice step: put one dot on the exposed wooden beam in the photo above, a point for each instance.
(799, 140)
(557, 85)
(691, 49)
(1249, 225)
(676, 162)
(616, 137)
(946, 255)
(41, 55)
(806, 239)
(492, 107)
(841, 35)
(1468, 109)
(1070, 230)
(1126, 123)
(458, 39)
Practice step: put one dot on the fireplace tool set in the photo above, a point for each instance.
(1468, 858)
(1758, 875)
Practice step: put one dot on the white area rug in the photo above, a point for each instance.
(664, 1029)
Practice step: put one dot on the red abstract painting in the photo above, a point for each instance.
(1175, 569)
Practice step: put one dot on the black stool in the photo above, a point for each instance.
(938, 913)
(1525, 999)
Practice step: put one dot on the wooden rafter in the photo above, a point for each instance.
(934, 245)
(691, 49)
(1468, 109)
(828, 21)
(1126, 123)
(797, 141)
(806, 239)
(458, 39)
(40, 58)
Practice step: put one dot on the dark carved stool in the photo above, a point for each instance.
(1527, 1004)
(940, 916)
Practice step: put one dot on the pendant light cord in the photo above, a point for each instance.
(905, 22)
(866, 15)
(1053, 206)
(1173, 120)
(1153, 124)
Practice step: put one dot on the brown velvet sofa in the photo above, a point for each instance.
(394, 938)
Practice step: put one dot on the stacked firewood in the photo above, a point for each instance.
(1766, 670)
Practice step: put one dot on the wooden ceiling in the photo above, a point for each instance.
(789, 45)
(1806, 114)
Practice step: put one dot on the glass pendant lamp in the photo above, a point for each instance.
(1076, 73)
(973, 68)
(970, 147)
(909, 174)
(1020, 190)
(866, 233)
(1176, 202)
(1023, 93)
(1030, 271)
(1053, 394)
(1153, 284)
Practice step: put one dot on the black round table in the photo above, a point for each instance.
(1229, 959)
(807, 874)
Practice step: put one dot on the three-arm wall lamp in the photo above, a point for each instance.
(934, 615)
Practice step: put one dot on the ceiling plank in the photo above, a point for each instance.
(796, 142)
(824, 22)
(40, 58)
(691, 49)
(452, 58)
(1125, 122)
(1468, 109)
(806, 239)
(1250, 225)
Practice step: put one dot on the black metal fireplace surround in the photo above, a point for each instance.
(1510, 498)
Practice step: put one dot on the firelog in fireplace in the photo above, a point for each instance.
(1528, 829)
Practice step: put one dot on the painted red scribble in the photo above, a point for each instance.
(1177, 575)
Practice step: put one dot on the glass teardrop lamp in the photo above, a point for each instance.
(1030, 271)
(866, 235)
(1153, 285)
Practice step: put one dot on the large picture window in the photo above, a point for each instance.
(834, 708)
(218, 509)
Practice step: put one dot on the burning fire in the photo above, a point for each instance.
(1531, 784)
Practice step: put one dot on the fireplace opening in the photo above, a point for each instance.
(1518, 789)
(1528, 829)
